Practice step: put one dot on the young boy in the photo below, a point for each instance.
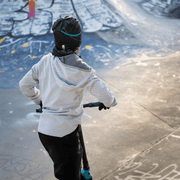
(62, 77)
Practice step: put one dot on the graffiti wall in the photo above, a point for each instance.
(26, 34)
(93, 16)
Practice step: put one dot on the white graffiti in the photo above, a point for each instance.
(32, 46)
(131, 167)
(160, 7)
(40, 44)
(96, 15)
(21, 168)
(101, 53)
(93, 15)
(10, 41)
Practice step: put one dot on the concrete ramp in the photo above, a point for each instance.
(113, 32)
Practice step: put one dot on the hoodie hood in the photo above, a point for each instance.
(70, 72)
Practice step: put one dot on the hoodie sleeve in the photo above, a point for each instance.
(99, 89)
(28, 85)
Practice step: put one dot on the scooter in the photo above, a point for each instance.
(86, 168)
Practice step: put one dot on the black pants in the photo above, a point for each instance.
(66, 154)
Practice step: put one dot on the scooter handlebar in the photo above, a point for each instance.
(93, 104)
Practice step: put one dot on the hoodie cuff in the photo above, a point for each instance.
(37, 97)
(114, 103)
(37, 101)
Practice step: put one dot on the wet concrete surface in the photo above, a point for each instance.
(115, 139)
(157, 162)
(137, 139)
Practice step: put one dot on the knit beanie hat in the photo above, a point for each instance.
(67, 33)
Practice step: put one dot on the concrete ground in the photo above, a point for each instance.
(139, 138)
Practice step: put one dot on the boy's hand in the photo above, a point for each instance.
(102, 106)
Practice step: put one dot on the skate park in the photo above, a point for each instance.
(134, 46)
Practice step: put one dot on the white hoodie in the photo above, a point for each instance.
(62, 81)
